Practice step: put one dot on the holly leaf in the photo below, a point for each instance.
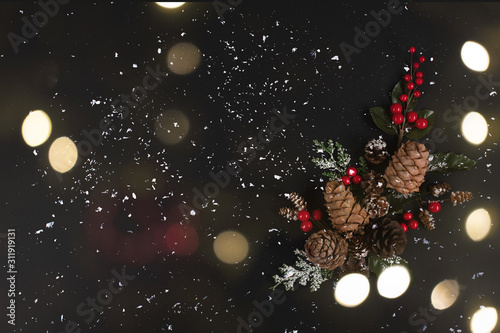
(415, 133)
(378, 264)
(381, 119)
(449, 162)
(397, 201)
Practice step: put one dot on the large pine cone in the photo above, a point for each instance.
(346, 214)
(406, 170)
(376, 206)
(376, 151)
(355, 265)
(326, 249)
(373, 183)
(387, 238)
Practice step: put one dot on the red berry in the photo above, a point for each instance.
(417, 93)
(416, 65)
(404, 226)
(396, 108)
(303, 215)
(419, 74)
(421, 59)
(407, 216)
(357, 179)
(413, 224)
(407, 77)
(352, 171)
(419, 81)
(412, 49)
(403, 97)
(306, 226)
(410, 85)
(434, 207)
(346, 180)
(411, 116)
(317, 214)
(398, 118)
(421, 123)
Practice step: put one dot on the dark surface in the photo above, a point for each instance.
(228, 100)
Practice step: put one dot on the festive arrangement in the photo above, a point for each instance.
(368, 209)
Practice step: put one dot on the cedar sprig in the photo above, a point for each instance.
(335, 159)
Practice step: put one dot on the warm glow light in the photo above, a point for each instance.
(183, 58)
(393, 281)
(231, 247)
(170, 4)
(172, 127)
(475, 56)
(63, 154)
(484, 320)
(352, 290)
(474, 128)
(445, 294)
(36, 128)
(478, 224)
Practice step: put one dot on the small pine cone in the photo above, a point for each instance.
(387, 238)
(406, 171)
(376, 206)
(440, 189)
(460, 197)
(326, 249)
(289, 213)
(298, 201)
(427, 219)
(358, 246)
(376, 151)
(346, 215)
(373, 183)
(355, 265)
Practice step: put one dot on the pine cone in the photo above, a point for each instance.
(387, 238)
(406, 170)
(376, 151)
(358, 246)
(298, 201)
(289, 213)
(373, 183)
(346, 215)
(460, 197)
(355, 265)
(427, 219)
(440, 189)
(376, 206)
(326, 249)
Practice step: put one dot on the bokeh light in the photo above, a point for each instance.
(393, 281)
(183, 58)
(474, 128)
(484, 320)
(478, 224)
(170, 4)
(182, 239)
(36, 128)
(231, 247)
(172, 127)
(352, 290)
(63, 154)
(445, 294)
(475, 56)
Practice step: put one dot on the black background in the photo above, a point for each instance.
(262, 56)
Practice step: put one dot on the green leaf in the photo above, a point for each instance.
(397, 201)
(449, 162)
(382, 120)
(416, 133)
(377, 264)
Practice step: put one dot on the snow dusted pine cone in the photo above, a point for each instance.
(376, 206)
(440, 189)
(376, 151)
(298, 201)
(406, 170)
(373, 183)
(326, 249)
(289, 213)
(460, 197)
(427, 219)
(346, 214)
(387, 239)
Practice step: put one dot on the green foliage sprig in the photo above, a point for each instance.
(335, 159)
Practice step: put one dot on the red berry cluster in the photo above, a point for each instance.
(400, 111)
(411, 223)
(351, 176)
(304, 217)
